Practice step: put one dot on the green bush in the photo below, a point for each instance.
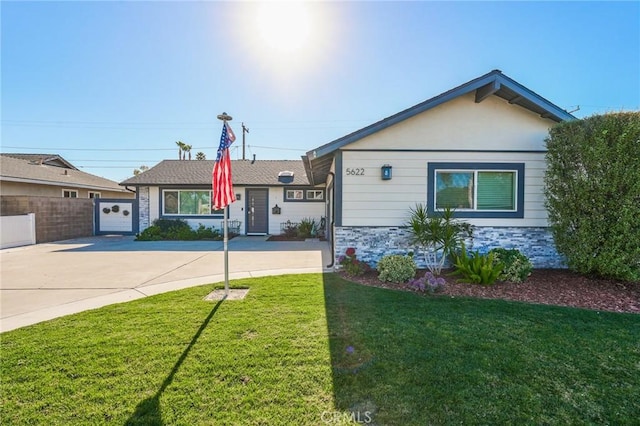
(170, 225)
(290, 230)
(152, 233)
(207, 233)
(516, 266)
(396, 268)
(351, 265)
(477, 268)
(307, 228)
(592, 188)
(176, 229)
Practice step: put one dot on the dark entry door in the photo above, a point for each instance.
(257, 211)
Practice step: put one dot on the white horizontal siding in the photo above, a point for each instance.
(367, 200)
(293, 211)
(461, 123)
(290, 211)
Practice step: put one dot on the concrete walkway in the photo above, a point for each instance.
(46, 281)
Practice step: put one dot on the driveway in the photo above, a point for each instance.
(49, 280)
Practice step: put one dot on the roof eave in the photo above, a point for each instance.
(485, 86)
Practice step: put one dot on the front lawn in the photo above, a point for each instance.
(315, 349)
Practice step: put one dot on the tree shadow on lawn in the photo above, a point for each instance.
(148, 411)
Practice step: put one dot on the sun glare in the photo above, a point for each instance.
(284, 27)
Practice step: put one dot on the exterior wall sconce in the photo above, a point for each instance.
(386, 172)
(276, 210)
(238, 197)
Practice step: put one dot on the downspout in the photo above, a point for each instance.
(333, 207)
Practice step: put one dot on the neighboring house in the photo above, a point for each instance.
(479, 148)
(269, 194)
(50, 175)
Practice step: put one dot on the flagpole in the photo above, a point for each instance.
(226, 253)
(225, 117)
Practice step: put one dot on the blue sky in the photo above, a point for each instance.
(112, 86)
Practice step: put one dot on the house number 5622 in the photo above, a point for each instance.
(357, 171)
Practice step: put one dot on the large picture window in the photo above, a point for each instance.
(188, 203)
(477, 189)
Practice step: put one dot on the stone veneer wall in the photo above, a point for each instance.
(143, 208)
(372, 243)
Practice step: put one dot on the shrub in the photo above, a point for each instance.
(207, 233)
(351, 265)
(176, 229)
(428, 283)
(592, 188)
(516, 266)
(152, 233)
(307, 228)
(290, 229)
(169, 225)
(396, 268)
(477, 268)
(438, 233)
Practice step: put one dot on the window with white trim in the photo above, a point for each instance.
(69, 193)
(93, 194)
(187, 203)
(294, 194)
(315, 194)
(482, 190)
(303, 194)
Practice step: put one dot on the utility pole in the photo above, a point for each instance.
(244, 130)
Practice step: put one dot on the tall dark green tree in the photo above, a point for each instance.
(592, 188)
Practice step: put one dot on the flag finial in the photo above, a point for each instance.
(225, 117)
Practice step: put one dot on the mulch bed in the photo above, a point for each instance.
(546, 286)
(285, 238)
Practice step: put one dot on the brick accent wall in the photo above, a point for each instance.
(56, 218)
(372, 243)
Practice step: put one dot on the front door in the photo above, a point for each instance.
(256, 206)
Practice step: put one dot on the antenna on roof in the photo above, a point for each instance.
(574, 110)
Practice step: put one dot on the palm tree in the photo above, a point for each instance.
(201, 156)
(187, 148)
(180, 149)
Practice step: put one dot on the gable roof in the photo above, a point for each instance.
(198, 172)
(50, 169)
(318, 161)
(46, 159)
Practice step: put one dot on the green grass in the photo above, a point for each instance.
(309, 349)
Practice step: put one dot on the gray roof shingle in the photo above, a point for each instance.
(50, 169)
(198, 172)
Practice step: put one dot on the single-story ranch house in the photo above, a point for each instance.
(269, 193)
(479, 146)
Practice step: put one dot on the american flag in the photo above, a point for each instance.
(222, 187)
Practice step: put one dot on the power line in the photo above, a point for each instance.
(140, 149)
(95, 149)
